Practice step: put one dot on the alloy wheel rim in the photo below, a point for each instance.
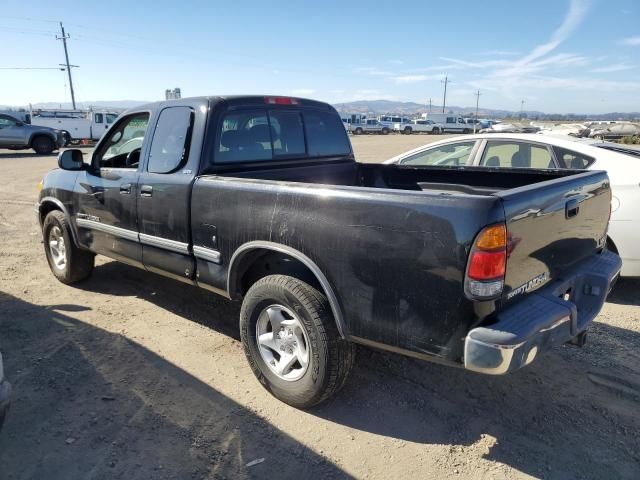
(57, 248)
(283, 342)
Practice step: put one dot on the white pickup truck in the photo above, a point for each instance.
(427, 126)
(76, 125)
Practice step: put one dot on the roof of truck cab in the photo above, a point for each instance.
(230, 99)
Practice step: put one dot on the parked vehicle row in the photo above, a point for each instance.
(261, 199)
(525, 151)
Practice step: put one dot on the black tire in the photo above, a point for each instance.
(385, 131)
(358, 131)
(43, 145)
(330, 357)
(408, 130)
(466, 130)
(78, 263)
(436, 131)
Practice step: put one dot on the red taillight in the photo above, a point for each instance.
(487, 265)
(281, 101)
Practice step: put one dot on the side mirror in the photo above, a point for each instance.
(71, 159)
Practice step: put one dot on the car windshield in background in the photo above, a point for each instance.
(261, 135)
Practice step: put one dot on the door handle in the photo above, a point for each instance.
(125, 189)
(572, 208)
(146, 190)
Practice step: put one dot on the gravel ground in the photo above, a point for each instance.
(130, 375)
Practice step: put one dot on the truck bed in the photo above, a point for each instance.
(372, 226)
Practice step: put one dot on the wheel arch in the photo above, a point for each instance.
(250, 256)
(48, 204)
(35, 135)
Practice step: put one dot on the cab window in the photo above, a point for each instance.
(121, 148)
(170, 143)
(452, 154)
(7, 122)
(571, 159)
(98, 118)
(516, 155)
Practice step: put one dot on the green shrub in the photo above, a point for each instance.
(632, 140)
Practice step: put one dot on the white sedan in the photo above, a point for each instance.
(497, 150)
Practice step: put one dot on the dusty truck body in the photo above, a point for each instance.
(261, 199)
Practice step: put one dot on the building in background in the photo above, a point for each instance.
(172, 94)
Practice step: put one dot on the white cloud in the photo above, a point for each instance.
(631, 41)
(374, 72)
(617, 67)
(577, 11)
(303, 91)
(415, 78)
(499, 53)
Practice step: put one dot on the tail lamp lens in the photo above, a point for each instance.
(488, 262)
(487, 265)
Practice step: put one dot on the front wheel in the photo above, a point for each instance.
(385, 131)
(407, 130)
(292, 343)
(43, 145)
(68, 263)
(358, 131)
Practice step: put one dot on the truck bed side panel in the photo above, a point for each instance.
(396, 260)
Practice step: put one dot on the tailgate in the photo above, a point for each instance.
(552, 225)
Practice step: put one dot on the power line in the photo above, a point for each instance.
(64, 38)
(32, 68)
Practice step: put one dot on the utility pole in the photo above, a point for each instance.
(477, 102)
(429, 104)
(444, 99)
(64, 38)
(521, 108)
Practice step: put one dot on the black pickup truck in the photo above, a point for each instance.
(260, 199)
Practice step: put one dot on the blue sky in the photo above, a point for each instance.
(556, 55)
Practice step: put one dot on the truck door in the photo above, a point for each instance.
(99, 126)
(11, 132)
(106, 193)
(165, 194)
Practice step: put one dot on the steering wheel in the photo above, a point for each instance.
(133, 158)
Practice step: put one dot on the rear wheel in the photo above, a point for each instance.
(407, 130)
(358, 131)
(385, 131)
(43, 145)
(68, 263)
(291, 341)
(466, 130)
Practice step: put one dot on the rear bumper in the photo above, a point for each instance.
(550, 316)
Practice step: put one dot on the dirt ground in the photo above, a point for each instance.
(133, 376)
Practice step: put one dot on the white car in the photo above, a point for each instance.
(497, 150)
(428, 126)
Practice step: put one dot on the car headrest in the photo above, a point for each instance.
(519, 161)
(262, 133)
(492, 162)
(232, 139)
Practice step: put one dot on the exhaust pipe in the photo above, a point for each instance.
(579, 340)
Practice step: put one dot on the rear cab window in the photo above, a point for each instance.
(264, 134)
(573, 160)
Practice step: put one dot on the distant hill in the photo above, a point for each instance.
(379, 107)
